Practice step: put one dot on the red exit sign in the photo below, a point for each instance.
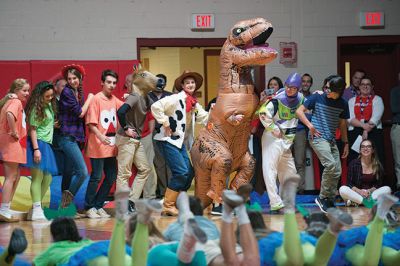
(372, 19)
(203, 22)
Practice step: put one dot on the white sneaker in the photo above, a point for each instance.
(6, 216)
(38, 214)
(92, 213)
(102, 213)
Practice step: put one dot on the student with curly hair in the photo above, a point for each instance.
(40, 111)
(13, 142)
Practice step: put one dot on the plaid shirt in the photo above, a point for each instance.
(355, 176)
(68, 115)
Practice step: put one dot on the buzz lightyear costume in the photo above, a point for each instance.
(279, 115)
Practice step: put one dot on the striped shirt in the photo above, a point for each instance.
(327, 114)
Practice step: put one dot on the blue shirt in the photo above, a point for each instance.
(300, 125)
(174, 232)
(326, 114)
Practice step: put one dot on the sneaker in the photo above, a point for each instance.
(349, 203)
(339, 216)
(92, 213)
(131, 207)
(5, 216)
(145, 208)
(37, 214)
(102, 213)
(277, 207)
(196, 231)
(277, 210)
(217, 210)
(232, 199)
(245, 191)
(331, 203)
(323, 204)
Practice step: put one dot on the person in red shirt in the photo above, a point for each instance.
(366, 111)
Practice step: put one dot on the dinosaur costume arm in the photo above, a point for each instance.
(164, 107)
(201, 114)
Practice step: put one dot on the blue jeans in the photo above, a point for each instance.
(179, 163)
(74, 164)
(58, 152)
(109, 166)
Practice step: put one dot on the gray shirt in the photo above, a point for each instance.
(136, 115)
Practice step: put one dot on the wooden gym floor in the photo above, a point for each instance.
(38, 233)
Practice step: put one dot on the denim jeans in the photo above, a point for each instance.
(179, 163)
(109, 166)
(58, 152)
(74, 164)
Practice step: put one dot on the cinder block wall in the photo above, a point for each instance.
(107, 29)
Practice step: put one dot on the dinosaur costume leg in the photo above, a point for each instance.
(245, 171)
(212, 163)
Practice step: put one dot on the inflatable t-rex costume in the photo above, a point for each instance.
(222, 147)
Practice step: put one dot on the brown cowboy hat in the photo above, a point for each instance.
(80, 68)
(187, 73)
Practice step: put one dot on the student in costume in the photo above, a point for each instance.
(40, 111)
(13, 142)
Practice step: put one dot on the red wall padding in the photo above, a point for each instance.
(39, 70)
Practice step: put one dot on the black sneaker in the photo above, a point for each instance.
(131, 207)
(217, 210)
(330, 203)
(323, 204)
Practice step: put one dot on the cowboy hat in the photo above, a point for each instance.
(187, 73)
(80, 68)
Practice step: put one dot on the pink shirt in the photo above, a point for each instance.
(102, 113)
(12, 150)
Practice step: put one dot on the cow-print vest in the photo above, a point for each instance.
(177, 120)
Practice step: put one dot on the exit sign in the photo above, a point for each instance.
(203, 22)
(373, 19)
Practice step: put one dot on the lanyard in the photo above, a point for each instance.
(363, 105)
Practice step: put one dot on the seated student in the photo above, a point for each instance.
(365, 176)
(17, 245)
(66, 242)
(142, 234)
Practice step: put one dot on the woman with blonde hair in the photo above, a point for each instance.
(13, 142)
(364, 176)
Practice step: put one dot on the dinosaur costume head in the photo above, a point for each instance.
(248, 37)
(245, 47)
